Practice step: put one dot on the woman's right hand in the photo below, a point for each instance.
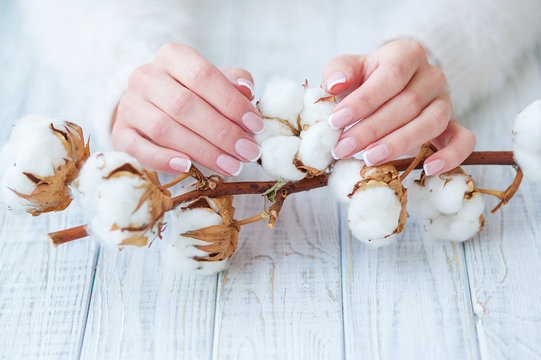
(180, 108)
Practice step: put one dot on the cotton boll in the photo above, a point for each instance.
(460, 226)
(527, 127)
(530, 163)
(315, 109)
(419, 203)
(282, 99)
(273, 127)
(344, 175)
(374, 214)
(96, 168)
(43, 155)
(277, 155)
(316, 145)
(178, 254)
(447, 191)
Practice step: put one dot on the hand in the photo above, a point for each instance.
(401, 102)
(180, 108)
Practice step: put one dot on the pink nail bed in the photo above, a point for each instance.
(180, 164)
(377, 154)
(253, 122)
(434, 166)
(341, 118)
(247, 84)
(247, 149)
(344, 147)
(229, 164)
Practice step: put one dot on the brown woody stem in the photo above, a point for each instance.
(64, 236)
(506, 195)
(424, 152)
(242, 188)
(252, 219)
(275, 208)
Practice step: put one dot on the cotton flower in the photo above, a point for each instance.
(447, 205)
(377, 209)
(277, 156)
(126, 201)
(42, 157)
(204, 237)
(295, 118)
(344, 175)
(527, 140)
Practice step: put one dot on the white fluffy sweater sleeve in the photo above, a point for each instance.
(477, 43)
(92, 46)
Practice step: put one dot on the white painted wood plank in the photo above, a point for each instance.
(281, 298)
(140, 311)
(408, 300)
(44, 292)
(504, 262)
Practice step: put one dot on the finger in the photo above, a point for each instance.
(188, 109)
(429, 124)
(455, 144)
(241, 79)
(149, 154)
(343, 73)
(166, 132)
(190, 69)
(390, 77)
(424, 87)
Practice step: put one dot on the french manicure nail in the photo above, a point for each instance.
(344, 147)
(434, 166)
(229, 164)
(377, 154)
(247, 149)
(180, 164)
(247, 84)
(335, 79)
(253, 122)
(341, 118)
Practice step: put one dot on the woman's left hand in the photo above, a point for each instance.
(401, 101)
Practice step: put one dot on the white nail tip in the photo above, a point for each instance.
(334, 155)
(341, 80)
(368, 163)
(247, 84)
(331, 125)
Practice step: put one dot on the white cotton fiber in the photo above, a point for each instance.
(283, 99)
(316, 111)
(277, 154)
(419, 203)
(316, 145)
(95, 169)
(32, 148)
(344, 175)
(447, 192)
(178, 252)
(460, 226)
(373, 214)
(527, 141)
(273, 127)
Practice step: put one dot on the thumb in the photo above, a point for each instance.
(241, 79)
(343, 74)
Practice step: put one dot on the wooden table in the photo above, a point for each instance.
(303, 290)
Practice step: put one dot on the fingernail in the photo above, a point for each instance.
(247, 149)
(180, 164)
(335, 79)
(247, 84)
(376, 154)
(434, 166)
(229, 164)
(341, 118)
(253, 122)
(344, 148)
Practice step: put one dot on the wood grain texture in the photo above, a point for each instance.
(281, 296)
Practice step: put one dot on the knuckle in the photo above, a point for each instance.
(413, 102)
(201, 73)
(157, 128)
(178, 102)
(137, 76)
(440, 118)
(224, 132)
(167, 49)
(417, 49)
(397, 73)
